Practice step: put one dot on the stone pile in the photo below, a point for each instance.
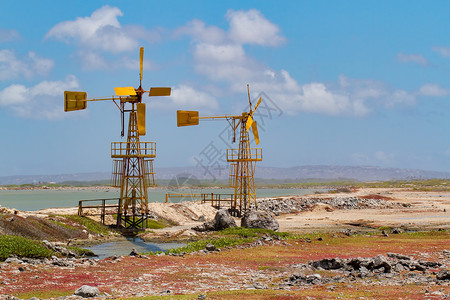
(297, 204)
(69, 262)
(370, 267)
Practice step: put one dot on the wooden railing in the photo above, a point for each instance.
(103, 206)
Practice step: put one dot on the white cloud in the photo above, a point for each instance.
(102, 33)
(443, 51)
(7, 35)
(202, 33)
(101, 30)
(12, 67)
(433, 90)
(220, 56)
(251, 27)
(414, 58)
(42, 101)
(317, 98)
(185, 97)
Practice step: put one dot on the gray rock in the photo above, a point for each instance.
(328, 264)
(443, 275)
(363, 272)
(11, 260)
(259, 219)
(211, 247)
(223, 220)
(134, 252)
(396, 230)
(381, 262)
(87, 291)
(398, 256)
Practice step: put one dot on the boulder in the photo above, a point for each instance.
(328, 264)
(223, 220)
(259, 219)
(87, 291)
(381, 262)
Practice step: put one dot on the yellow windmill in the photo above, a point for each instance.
(133, 160)
(242, 160)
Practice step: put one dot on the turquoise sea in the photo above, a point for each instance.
(31, 200)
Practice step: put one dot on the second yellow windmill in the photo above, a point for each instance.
(133, 160)
(243, 159)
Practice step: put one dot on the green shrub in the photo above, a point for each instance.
(153, 224)
(22, 247)
(219, 243)
(91, 225)
(81, 251)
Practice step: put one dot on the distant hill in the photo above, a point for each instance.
(300, 173)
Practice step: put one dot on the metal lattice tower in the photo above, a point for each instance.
(133, 173)
(242, 169)
(133, 160)
(242, 160)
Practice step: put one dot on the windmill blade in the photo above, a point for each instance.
(159, 91)
(141, 118)
(255, 132)
(249, 101)
(125, 91)
(249, 122)
(141, 62)
(257, 104)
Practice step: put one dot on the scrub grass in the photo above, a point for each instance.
(22, 247)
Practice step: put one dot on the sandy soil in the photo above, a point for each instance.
(429, 210)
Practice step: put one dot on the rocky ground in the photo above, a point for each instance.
(327, 266)
(363, 246)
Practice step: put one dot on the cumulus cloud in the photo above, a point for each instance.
(433, 90)
(7, 35)
(202, 33)
(185, 97)
(102, 33)
(346, 96)
(413, 58)
(251, 27)
(219, 55)
(12, 67)
(42, 101)
(101, 30)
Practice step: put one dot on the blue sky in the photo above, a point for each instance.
(343, 82)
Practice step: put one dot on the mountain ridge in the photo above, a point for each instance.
(298, 173)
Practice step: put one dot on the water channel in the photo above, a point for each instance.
(125, 246)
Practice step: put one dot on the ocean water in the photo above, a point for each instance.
(31, 200)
